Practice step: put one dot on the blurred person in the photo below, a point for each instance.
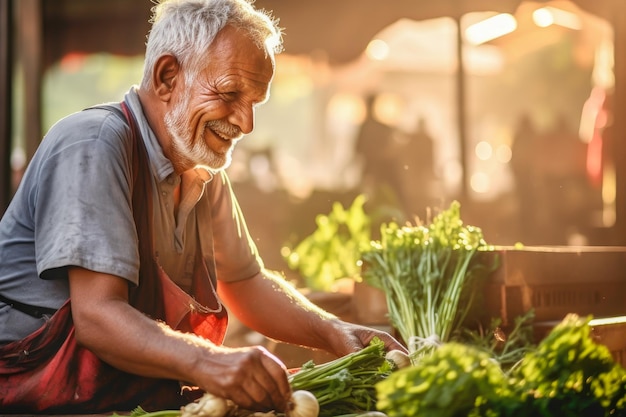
(124, 246)
(376, 151)
(416, 170)
(566, 195)
(524, 151)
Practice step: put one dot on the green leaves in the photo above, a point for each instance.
(345, 385)
(428, 274)
(567, 375)
(333, 250)
(444, 384)
(570, 375)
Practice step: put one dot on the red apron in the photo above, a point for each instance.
(49, 372)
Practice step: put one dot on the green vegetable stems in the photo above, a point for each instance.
(428, 274)
(345, 385)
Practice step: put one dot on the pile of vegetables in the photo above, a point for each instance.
(567, 375)
(428, 274)
(345, 386)
(208, 405)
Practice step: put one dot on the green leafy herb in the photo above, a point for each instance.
(443, 384)
(508, 348)
(428, 275)
(333, 250)
(566, 375)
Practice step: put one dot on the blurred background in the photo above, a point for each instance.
(510, 107)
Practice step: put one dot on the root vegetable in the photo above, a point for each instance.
(398, 358)
(207, 406)
(304, 404)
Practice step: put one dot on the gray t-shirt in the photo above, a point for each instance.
(73, 208)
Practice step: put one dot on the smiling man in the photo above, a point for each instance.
(124, 246)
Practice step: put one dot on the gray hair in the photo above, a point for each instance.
(186, 28)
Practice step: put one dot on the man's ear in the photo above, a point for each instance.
(164, 76)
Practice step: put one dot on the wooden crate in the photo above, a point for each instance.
(555, 281)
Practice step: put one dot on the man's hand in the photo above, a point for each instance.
(349, 337)
(251, 377)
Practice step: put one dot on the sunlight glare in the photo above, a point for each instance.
(491, 28)
(377, 50)
(547, 16)
(504, 154)
(480, 182)
(483, 150)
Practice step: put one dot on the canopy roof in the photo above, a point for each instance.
(339, 29)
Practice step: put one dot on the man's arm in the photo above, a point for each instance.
(269, 305)
(130, 341)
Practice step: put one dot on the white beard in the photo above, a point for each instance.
(190, 152)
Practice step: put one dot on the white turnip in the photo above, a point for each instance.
(207, 406)
(304, 404)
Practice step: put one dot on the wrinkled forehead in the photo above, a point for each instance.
(235, 47)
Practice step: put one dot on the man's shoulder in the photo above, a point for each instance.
(102, 115)
(102, 123)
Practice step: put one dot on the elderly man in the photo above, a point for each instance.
(126, 205)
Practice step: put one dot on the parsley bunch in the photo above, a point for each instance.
(566, 375)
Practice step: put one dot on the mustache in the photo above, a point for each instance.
(224, 129)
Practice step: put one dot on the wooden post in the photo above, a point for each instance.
(618, 120)
(6, 65)
(461, 116)
(30, 47)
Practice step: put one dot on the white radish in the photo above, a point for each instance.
(207, 406)
(304, 404)
(398, 358)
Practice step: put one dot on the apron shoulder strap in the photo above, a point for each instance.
(145, 296)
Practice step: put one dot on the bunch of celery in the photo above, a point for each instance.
(427, 273)
(345, 386)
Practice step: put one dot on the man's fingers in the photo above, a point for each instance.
(275, 379)
(265, 386)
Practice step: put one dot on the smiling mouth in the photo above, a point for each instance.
(219, 135)
(218, 141)
(223, 130)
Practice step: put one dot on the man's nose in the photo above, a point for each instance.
(244, 119)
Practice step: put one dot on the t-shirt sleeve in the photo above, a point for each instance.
(236, 255)
(83, 200)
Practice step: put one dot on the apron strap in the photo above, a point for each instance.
(177, 308)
